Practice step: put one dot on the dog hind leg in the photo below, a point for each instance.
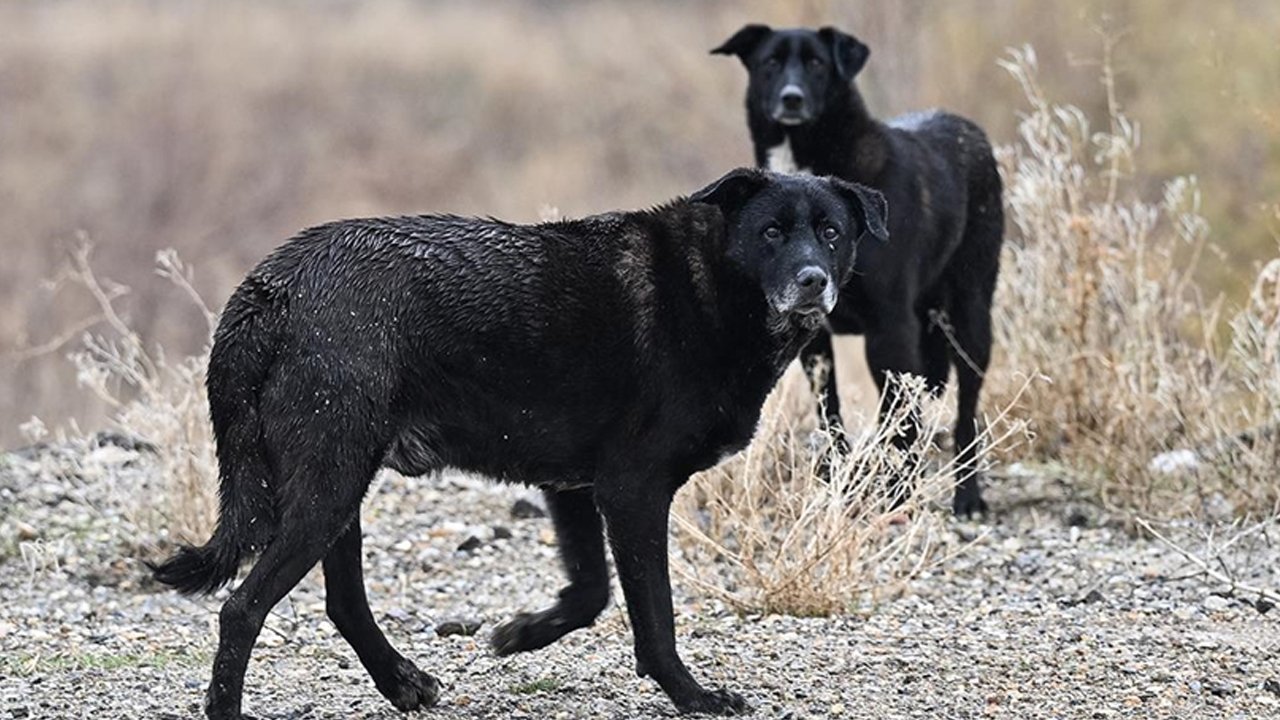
(329, 471)
(397, 678)
(971, 310)
(296, 548)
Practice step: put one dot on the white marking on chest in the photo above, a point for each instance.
(782, 160)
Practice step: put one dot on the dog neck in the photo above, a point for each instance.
(845, 141)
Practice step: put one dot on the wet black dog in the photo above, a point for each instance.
(603, 360)
(924, 302)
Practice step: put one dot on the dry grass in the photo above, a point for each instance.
(156, 399)
(1098, 295)
(765, 532)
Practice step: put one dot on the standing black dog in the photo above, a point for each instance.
(603, 360)
(924, 303)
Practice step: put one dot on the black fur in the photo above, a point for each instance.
(924, 301)
(603, 360)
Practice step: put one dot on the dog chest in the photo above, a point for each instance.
(782, 159)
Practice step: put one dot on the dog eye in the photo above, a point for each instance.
(772, 64)
(830, 232)
(772, 234)
(816, 63)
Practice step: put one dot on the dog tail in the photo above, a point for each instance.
(244, 349)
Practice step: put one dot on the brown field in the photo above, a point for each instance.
(220, 128)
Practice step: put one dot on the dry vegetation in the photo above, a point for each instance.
(1155, 395)
(765, 531)
(219, 127)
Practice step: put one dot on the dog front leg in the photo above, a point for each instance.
(635, 512)
(819, 363)
(895, 348)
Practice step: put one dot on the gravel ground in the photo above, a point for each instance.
(1051, 613)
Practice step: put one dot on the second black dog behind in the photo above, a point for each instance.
(924, 301)
(603, 360)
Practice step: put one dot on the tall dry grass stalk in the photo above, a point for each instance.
(156, 399)
(1098, 296)
(765, 532)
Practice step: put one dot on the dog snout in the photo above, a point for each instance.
(812, 281)
(792, 98)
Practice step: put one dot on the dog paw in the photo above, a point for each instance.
(968, 503)
(410, 688)
(525, 631)
(715, 702)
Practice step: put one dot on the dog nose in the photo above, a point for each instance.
(792, 98)
(812, 280)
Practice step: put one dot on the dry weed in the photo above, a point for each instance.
(764, 531)
(155, 399)
(1098, 296)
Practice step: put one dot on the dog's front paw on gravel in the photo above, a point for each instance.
(514, 635)
(716, 702)
(527, 631)
(410, 688)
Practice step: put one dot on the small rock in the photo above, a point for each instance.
(471, 543)
(524, 510)
(1272, 686)
(501, 532)
(1090, 597)
(1263, 606)
(1077, 519)
(26, 532)
(466, 628)
(1216, 603)
(1221, 689)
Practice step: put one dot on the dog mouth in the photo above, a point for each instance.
(815, 308)
(790, 117)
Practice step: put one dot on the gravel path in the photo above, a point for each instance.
(1050, 614)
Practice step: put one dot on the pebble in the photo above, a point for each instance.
(525, 510)
(982, 632)
(467, 628)
(1216, 603)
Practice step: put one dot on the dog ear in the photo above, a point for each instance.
(744, 42)
(733, 190)
(848, 51)
(868, 205)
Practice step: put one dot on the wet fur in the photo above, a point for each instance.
(604, 360)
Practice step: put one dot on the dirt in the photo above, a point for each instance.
(1052, 611)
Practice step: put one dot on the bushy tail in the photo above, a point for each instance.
(243, 350)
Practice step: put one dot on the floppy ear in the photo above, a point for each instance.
(733, 190)
(868, 205)
(744, 42)
(848, 51)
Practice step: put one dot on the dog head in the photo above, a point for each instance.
(795, 235)
(795, 74)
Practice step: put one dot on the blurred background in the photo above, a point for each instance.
(221, 127)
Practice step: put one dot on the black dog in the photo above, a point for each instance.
(924, 303)
(603, 360)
